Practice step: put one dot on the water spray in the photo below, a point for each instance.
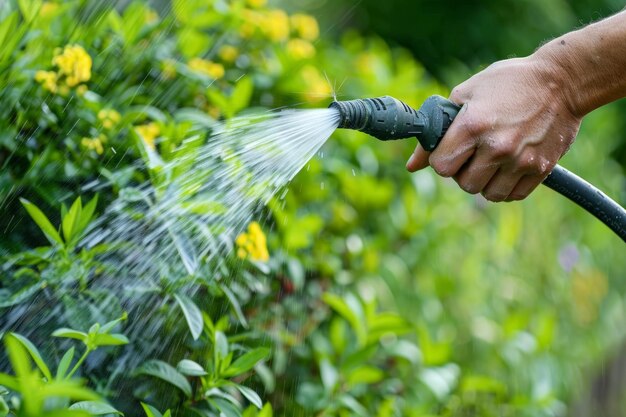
(387, 118)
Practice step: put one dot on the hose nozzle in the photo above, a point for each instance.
(388, 118)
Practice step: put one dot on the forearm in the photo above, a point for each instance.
(589, 64)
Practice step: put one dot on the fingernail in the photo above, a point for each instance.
(410, 161)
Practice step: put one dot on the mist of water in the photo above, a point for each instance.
(183, 222)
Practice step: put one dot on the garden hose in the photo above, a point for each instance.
(387, 118)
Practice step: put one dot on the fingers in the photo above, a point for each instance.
(456, 147)
(460, 94)
(474, 176)
(525, 186)
(501, 185)
(418, 160)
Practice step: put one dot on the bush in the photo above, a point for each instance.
(368, 291)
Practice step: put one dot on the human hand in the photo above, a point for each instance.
(515, 124)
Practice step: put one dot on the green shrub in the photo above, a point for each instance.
(369, 292)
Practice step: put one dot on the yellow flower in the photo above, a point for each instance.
(300, 49)
(48, 9)
(250, 22)
(253, 244)
(109, 118)
(228, 53)
(48, 80)
(256, 3)
(275, 25)
(94, 144)
(148, 132)
(209, 68)
(75, 63)
(305, 26)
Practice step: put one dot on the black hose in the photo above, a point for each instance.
(589, 198)
(388, 118)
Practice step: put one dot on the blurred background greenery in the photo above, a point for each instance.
(386, 293)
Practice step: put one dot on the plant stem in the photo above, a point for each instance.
(77, 365)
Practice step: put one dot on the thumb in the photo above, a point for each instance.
(419, 159)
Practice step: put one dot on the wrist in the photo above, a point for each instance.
(556, 69)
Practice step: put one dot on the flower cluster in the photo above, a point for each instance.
(208, 68)
(149, 132)
(228, 53)
(73, 67)
(94, 144)
(253, 244)
(305, 26)
(109, 118)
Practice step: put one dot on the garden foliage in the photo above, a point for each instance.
(365, 291)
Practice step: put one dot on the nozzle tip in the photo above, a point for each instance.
(353, 113)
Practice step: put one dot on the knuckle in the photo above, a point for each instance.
(541, 166)
(502, 149)
(441, 168)
(526, 164)
(475, 126)
(468, 186)
(494, 196)
(516, 196)
(457, 94)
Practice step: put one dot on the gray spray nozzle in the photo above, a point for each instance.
(388, 118)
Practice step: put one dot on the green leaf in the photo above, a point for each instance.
(107, 327)
(4, 408)
(64, 364)
(193, 315)
(70, 334)
(226, 407)
(69, 220)
(221, 344)
(104, 339)
(247, 361)
(235, 304)
(355, 318)
(217, 98)
(190, 368)
(20, 296)
(68, 388)
(481, 383)
(85, 216)
(151, 411)
(67, 413)
(42, 221)
(34, 353)
(351, 403)
(29, 8)
(329, 375)
(167, 373)
(7, 27)
(18, 356)
(365, 375)
(266, 411)
(251, 395)
(95, 408)
(9, 382)
(242, 93)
